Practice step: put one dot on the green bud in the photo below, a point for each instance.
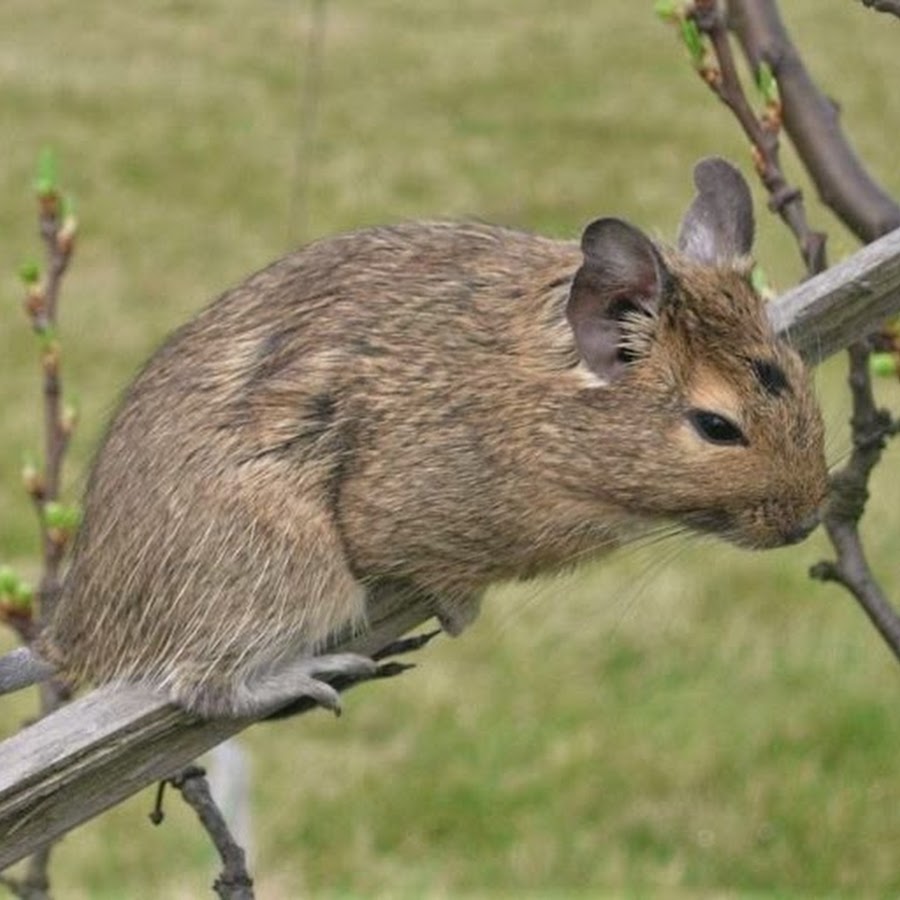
(54, 514)
(46, 180)
(767, 83)
(23, 596)
(31, 477)
(667, 10)
(883, 365)
(47, 341)
(693, 40)
(9, 581)
(30, 273)
(61, 516)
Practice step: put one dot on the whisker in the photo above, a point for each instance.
(654, 537)
(651, 572)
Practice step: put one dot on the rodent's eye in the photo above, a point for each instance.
(715, 428)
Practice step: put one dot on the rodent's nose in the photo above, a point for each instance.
(803, 528)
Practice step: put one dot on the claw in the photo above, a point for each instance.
(322, 693)
(406, 645)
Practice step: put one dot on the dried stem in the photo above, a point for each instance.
(234, 882)
(811, 121)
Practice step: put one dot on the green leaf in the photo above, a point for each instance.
(46, 181)
(767, 83)
(693, 40)
(883, 365)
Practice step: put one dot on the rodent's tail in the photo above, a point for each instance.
(21, 668)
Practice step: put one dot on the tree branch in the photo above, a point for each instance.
(871, 427)
(235, 882)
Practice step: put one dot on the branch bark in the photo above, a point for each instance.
(235, 882)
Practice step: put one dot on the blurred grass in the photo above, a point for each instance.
(711, 725)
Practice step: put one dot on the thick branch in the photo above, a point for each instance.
(111, 743)
(811, 120)
(845, 303)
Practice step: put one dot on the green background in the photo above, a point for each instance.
(686, 722)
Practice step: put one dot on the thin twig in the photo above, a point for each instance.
(234, 882)
(42, 302)
(35, 885)
(871, 427)
(885, 6)
(58, 242)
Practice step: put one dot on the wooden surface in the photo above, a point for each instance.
(844, 303)
(113, 742)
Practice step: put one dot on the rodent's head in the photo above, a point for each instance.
(721, 428)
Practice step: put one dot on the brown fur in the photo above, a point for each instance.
(406, 406)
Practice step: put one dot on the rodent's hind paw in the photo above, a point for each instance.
(306, 679)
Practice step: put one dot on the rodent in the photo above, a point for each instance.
(432, 407)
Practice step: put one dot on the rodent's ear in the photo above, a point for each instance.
(718, 226)
(622, 280)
